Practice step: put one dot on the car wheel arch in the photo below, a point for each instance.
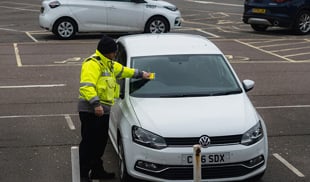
(75, 24)
(154, 17)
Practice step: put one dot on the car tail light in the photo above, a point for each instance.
(54, 4)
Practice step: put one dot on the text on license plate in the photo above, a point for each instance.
(259, 10)
(208, 158)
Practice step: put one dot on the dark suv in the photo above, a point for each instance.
(294, 14)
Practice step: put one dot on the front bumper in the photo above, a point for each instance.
(168, 164)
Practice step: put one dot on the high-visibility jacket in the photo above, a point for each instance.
(98, 80)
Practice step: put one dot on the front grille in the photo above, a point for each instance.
(216, 171)
(218, 140)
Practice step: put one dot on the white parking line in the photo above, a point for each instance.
(31, 37)
(36, 116)
(32, 86)
(69, 122)
(288, 165)
(283, 107)
(22, 9)
(67, 117)
(27, 4)
(18, 59)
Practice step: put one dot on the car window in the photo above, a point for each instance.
(184, 75)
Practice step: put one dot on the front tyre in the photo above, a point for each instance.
(65, 28)
(259, 28)
(157, 24)
(124, 176)
(302, 25)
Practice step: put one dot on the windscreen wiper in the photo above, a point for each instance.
(227, 92)
(184, 95)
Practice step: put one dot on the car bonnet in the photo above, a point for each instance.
(195, 116)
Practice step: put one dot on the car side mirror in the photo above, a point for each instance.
(248, 85)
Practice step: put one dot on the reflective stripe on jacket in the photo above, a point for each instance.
(98, 79)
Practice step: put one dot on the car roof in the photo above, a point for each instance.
(167, 44)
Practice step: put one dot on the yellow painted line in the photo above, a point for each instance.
(299, 54)
(262, 50)
(291, 49)
(267, 41)
(276, 45)
(18, 59)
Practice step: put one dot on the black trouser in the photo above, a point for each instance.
(94, 131)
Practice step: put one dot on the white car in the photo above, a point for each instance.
(67, 17)
(195, 98)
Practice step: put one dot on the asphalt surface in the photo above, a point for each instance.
(40, 79)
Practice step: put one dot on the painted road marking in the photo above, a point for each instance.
(66, 116)
(21, 9)
(31, 37)
(211, 2)
(295, 46)
(32, 86)
(69, 122)
(288, 165)
(199, 30)
(283, 107)
(265, 51)
(18, 59)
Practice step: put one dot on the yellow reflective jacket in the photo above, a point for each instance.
(98, 79)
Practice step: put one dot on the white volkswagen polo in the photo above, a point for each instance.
(195, 96)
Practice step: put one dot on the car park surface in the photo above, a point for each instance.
(40, 99)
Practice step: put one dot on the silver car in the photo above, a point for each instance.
(67, 17)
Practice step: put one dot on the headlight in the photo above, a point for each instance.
(253, 135)
(147, 138)
(171, 8)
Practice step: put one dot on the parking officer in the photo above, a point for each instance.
(98, 89)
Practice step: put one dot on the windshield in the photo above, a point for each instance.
(184, 76)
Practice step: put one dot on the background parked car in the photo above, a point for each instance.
(67, 17)
(294, 14)
(196, 97)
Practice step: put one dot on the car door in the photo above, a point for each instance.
(90, 14)
(125, 15)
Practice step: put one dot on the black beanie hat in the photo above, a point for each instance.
(106, 45)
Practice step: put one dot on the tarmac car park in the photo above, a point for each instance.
(39, 81)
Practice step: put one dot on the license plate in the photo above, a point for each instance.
(259, 10)
(217, 158)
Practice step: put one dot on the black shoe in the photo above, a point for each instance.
(102, 174)
(85, 179)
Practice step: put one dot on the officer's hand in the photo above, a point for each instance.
(146, 75)
(99, 111)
